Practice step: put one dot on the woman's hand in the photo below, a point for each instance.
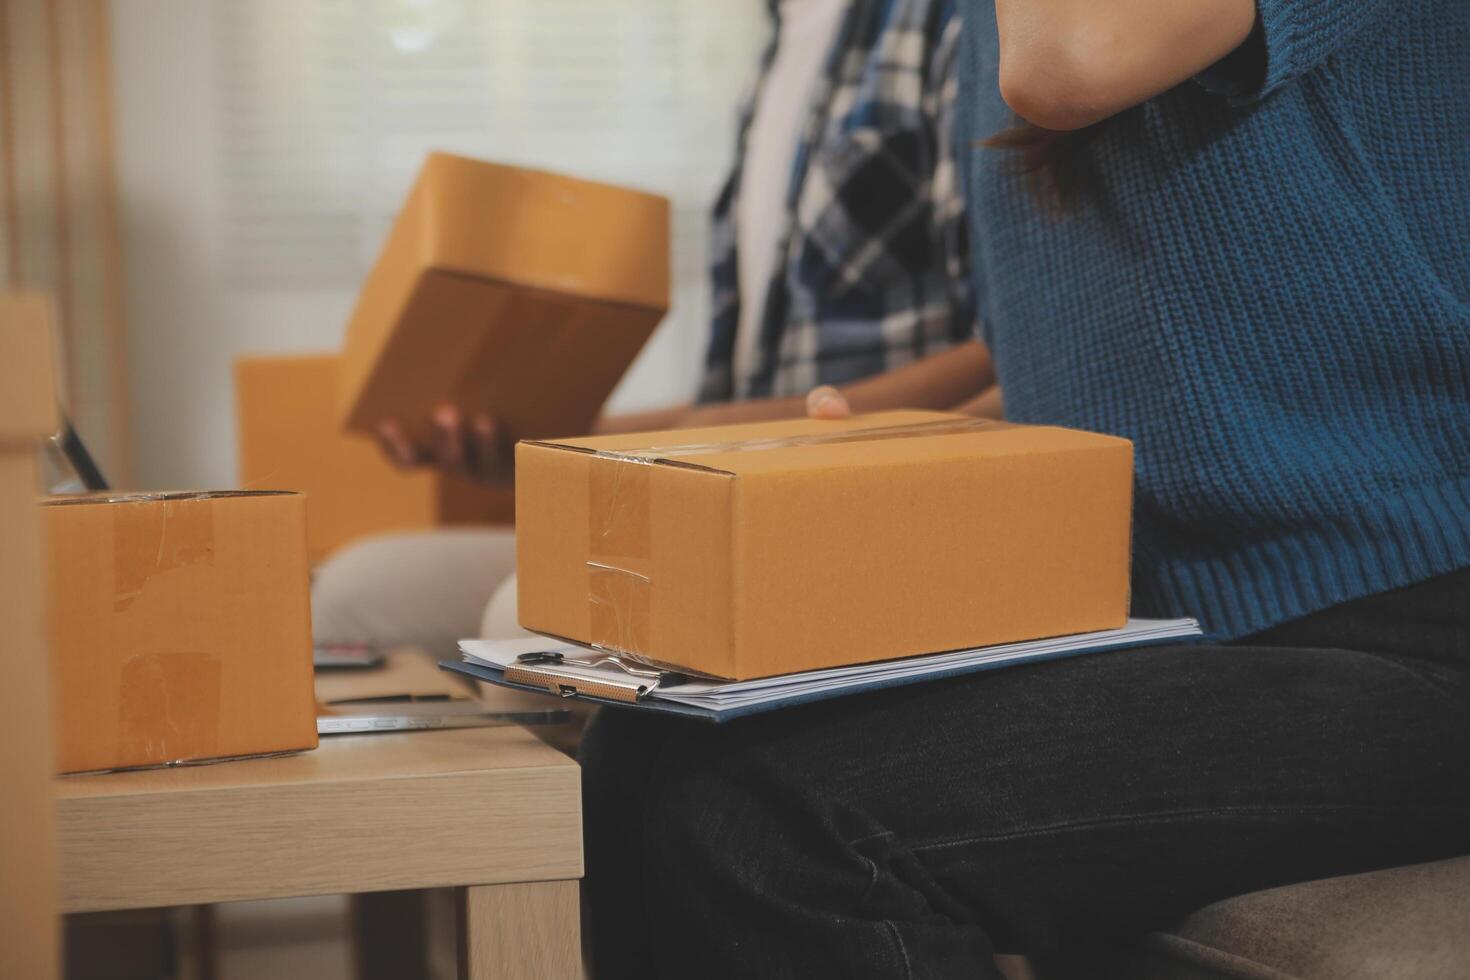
(479, 450)
(826, 402)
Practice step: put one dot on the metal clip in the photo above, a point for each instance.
(544, 657)
(531, 668)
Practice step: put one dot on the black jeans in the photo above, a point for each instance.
(1057, 810)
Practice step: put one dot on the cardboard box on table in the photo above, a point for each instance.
(513, 292)
(289, 439)
(180, 627)
(751, 550)
(29, 938)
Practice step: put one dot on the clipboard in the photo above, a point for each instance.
(561, 669)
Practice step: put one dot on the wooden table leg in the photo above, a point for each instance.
(528, 930)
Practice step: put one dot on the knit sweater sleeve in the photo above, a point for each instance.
(1291, 38)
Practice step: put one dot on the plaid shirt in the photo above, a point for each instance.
(873, 268)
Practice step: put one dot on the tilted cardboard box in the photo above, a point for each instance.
(289, 439)
(517, 293)
(751, 550)
(180, 627)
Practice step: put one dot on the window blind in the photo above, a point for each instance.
(325, 109)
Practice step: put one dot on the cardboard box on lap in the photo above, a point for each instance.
(751, 550)
(290, 439)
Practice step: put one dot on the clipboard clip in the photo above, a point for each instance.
(537, 669)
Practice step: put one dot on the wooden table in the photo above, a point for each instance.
(492, 811)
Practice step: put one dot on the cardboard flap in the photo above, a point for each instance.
(152, 496)
(627, 442)
(809, 444)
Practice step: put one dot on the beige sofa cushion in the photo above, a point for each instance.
(1409, 923)
(416, 588)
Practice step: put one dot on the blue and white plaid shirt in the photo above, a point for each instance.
(873, 269)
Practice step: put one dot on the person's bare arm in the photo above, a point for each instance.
(477, 448)
(1066, 64)
(937, 381)
(827, 402)
(989, 404)
(651, 420)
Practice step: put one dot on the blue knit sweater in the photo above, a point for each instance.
(1269, 293)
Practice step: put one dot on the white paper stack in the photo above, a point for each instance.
(574, 671)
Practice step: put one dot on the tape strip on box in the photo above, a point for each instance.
(619, 556)
(150, 541)
(912, 430)
(170, 701)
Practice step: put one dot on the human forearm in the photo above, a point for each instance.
(989, 404)
(827, 402)
(1065, 64)
(939, 381)
(647, 421)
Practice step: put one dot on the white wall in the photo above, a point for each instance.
(186, 324)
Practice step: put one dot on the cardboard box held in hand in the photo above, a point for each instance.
(180, 627)
(752, 550)
(517, 293)
(289, 439)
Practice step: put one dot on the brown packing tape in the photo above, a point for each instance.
(619, 556)
(169, 700)
(912, 430)
(175, 536)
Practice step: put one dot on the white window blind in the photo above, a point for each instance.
(325, 109)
